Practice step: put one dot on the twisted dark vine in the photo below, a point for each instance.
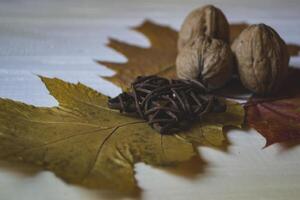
(168, 105)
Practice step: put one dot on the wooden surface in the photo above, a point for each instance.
(62, 38)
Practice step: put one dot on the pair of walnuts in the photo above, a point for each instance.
(259, 54)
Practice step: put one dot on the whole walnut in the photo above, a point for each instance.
(262, 59)
(207, 20)
(205, 59)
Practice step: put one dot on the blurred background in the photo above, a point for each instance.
(63, 38)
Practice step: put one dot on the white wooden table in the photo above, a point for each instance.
(62, 38)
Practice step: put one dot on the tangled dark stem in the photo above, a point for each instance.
(168, 105)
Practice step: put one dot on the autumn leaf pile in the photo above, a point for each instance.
(84, 142)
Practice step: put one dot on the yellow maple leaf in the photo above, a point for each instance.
(84, 142)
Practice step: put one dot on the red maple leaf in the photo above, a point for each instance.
(277, 118)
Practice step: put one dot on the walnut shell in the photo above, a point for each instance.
(262, 59)
(205, 59)
(207, 20)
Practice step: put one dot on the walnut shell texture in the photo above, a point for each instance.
(205, 59)
(207, 20)
(262, 59)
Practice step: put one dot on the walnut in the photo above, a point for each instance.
(205, 59)
(262, 59)
(207, 20)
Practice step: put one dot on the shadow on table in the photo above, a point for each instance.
(190, 170)
(21, 170)
(196, 167)
(289, 145)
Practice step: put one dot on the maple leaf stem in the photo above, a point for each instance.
(231, 97)
(263, 100)
(252, 100)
